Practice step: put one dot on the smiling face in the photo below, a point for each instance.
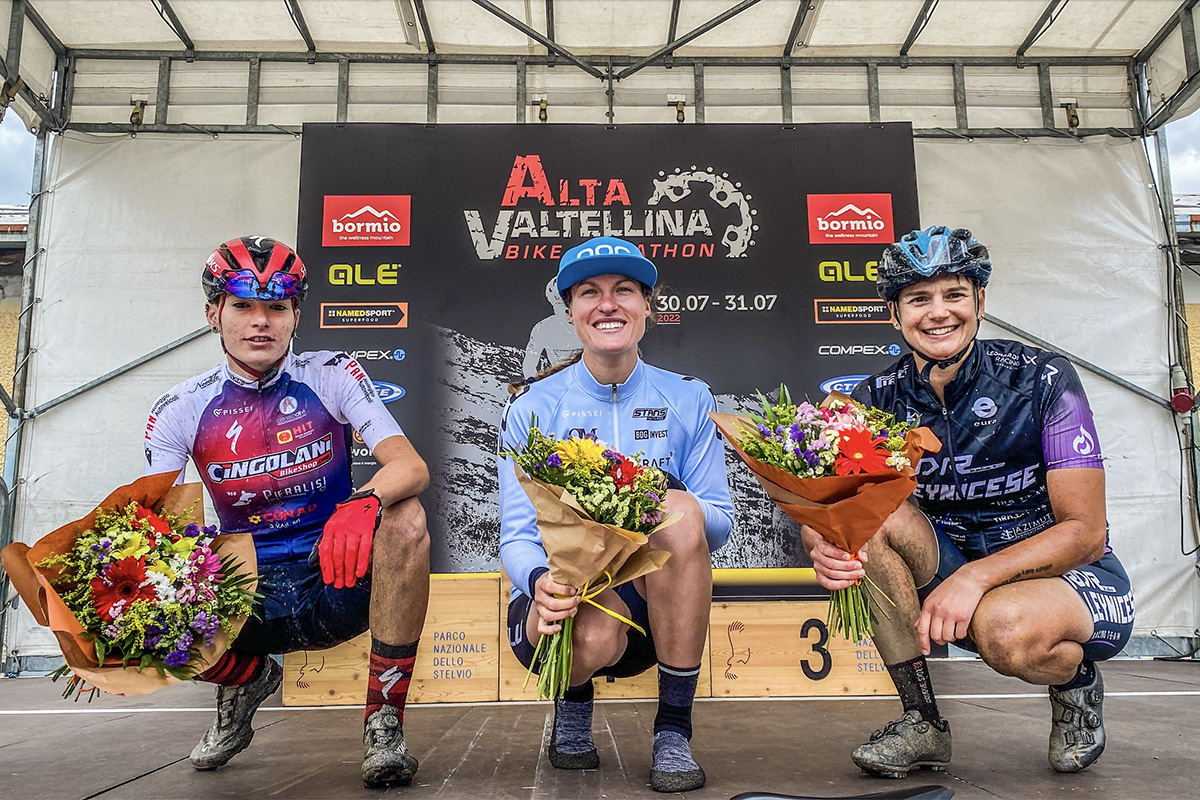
(938, 317)
(609, 313)
(255, 332)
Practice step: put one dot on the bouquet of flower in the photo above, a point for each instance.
(595, 509)
(841, 468)
(128, 588)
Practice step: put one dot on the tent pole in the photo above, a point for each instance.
(12, 452)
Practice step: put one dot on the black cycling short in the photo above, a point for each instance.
(639, 653)
(1102, 585)
(299, 611)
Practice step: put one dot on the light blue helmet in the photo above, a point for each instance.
(932, 253)
(604, 255)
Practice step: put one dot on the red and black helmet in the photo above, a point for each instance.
(255, 268)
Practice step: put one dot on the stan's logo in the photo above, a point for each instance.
(365, 220)
(843, 383)
(850, 219)
(388, 391)
(650, 414)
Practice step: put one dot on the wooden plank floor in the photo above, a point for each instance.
(138, 747)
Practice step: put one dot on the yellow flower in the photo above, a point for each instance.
(134, 546)
(163, 568)
(586, 452)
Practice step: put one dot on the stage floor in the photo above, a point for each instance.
(138, 747)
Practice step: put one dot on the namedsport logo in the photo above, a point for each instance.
(843, 383)
(388, 391)
(366, 220)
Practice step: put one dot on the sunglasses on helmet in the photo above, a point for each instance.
(244, 284)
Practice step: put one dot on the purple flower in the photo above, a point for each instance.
(654, 498)
(555, 460)
(612, 455)
(191, 530)
(177, 658)
(211, 530)
(764, 430)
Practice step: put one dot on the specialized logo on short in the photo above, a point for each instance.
(850, 219)
(366, 220)
(1084, 443)
(288, 405)
(984, 408)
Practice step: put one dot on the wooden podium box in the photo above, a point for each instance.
(458, 658)
(512, 674)
(784, 649)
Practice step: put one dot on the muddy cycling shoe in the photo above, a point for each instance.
(571, 744)
(386, 760)
(903, 745)
(1077, 731)
(232, 731)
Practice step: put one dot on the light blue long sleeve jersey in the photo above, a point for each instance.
(661, 414)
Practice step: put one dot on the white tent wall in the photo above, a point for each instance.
(1073, 228)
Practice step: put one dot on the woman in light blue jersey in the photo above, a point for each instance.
(610, 392)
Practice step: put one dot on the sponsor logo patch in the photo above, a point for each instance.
(364, 220)
(850, 310)
(850, 219)
(843, 383)
(364, 315)
(388, 391)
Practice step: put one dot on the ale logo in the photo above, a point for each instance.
(850, 219)
(366, 220)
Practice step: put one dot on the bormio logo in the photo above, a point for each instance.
(850, 219)
(388, 391)
(843, 383)
(363, 220)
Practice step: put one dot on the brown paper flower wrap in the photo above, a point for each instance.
(847, 510)
(155, 492)
(587, 555)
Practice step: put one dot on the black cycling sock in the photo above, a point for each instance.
(676, 690)
(915, 689)
(1083, 676)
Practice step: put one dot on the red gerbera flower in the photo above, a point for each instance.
(859, 452)
(156, 523)
(121, 580)
(625, 472)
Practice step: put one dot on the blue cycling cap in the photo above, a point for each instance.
(604, 255)
(932, 253)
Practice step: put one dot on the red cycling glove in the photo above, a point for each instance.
(345, 548)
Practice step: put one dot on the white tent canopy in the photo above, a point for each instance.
(1042, 106)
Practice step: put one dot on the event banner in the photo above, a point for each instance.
(432, 252)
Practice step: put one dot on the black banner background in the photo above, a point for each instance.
(741, 282)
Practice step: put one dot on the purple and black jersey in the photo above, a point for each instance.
(1012, 413)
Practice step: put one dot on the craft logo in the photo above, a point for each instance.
(683, 214)
(851, 310)
(843, 383)
(277, 465)
(388, 391)
(364, 315)
(366, 220)
(850, 219)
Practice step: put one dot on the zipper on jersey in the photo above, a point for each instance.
(616, 444)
